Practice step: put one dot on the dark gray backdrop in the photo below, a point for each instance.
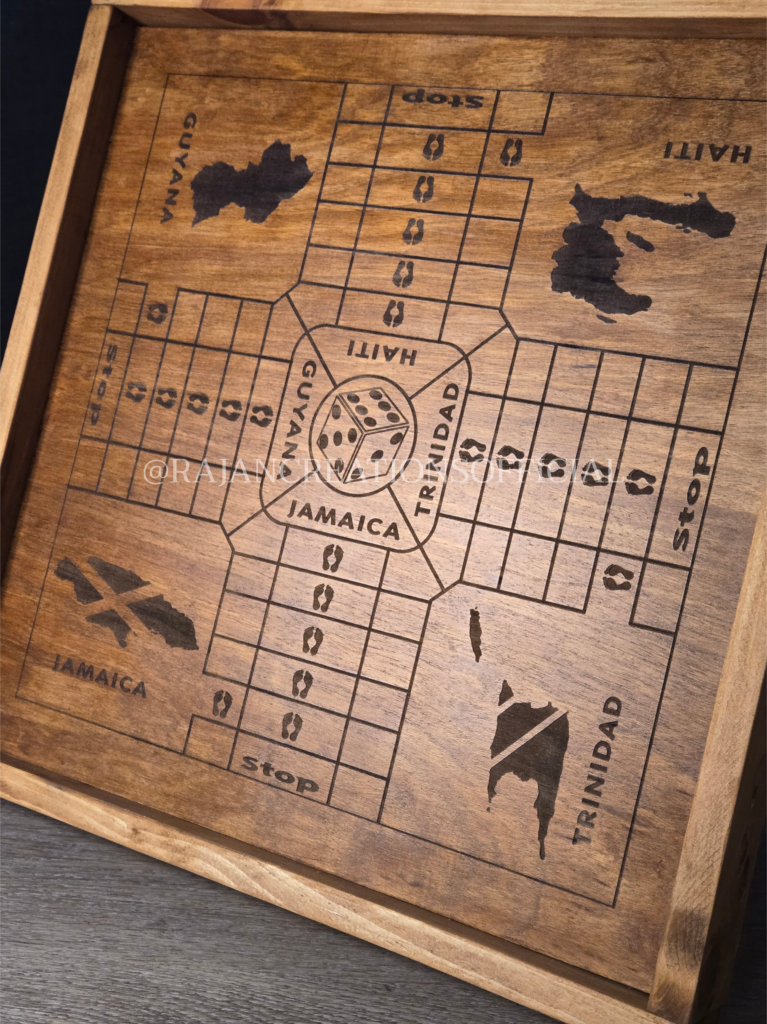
(96, 934)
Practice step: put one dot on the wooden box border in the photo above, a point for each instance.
(719, 850)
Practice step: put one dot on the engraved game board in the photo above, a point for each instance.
(391, 489)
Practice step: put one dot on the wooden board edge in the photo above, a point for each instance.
(569, 994)
(723, 831)
(514, 975)
(741, 23)
(54, 258)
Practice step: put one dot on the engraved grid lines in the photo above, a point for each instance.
(197, 344)
(646, 560)
(309, 667)
(574, 478)
(148, 401)
(397, 311)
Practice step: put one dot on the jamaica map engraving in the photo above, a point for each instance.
(408, 509)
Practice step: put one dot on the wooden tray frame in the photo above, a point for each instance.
(719, 851)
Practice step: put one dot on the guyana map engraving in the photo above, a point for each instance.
(409, 503)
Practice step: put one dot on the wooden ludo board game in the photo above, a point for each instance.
(399, 481)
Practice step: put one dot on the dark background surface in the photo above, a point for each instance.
(96, 934)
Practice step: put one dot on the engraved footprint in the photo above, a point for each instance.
(157, 312)
(551, 467)
(319, 590)
(197, 402)
(222, 701)
(331, 557)
(392, 319)
(509, 159)
(639, 474)
(595, 474)
(410, 237)
(435, 147)
(466, 447)
(421, 194)
(617, 570)
(262, 415)
(400, 279)
(296, 721)
(313, 633)
(305, 677)
(166, 397)
(233, 404)
(502, 458)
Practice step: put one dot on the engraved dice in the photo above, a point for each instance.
(362, 434)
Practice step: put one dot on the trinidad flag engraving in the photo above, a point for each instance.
(530, 743)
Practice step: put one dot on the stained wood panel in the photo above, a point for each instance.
(408, 418)
(496, 17)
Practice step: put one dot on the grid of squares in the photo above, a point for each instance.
(156, 434)
(662, 584)
(376, 145)
(320, 652)
(170, 409)
(414, 217)
(595, 452)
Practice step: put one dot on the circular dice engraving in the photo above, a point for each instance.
(363, 434)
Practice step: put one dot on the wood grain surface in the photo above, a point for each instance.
(52, 267)
(640, 18)
(179, 949)
(572, 995)
(487, 695)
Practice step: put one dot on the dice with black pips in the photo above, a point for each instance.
(363, 434)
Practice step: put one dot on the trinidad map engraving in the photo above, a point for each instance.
(411, 484)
